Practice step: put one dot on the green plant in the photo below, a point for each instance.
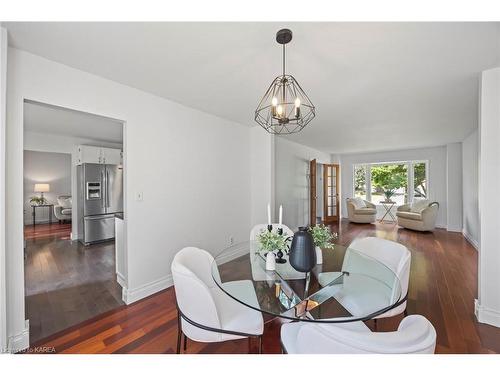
(388, 194)
(271, 241)
(323, 236)
(38, 200)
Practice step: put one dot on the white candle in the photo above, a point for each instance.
(281, 214)
(268, 214)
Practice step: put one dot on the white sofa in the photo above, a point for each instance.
(420, 216)
(361, 211)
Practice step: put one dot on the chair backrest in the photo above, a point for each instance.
(261, 227)
(192, 274)
(415, 335)
(393, 255)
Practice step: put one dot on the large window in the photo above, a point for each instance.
(401, 182)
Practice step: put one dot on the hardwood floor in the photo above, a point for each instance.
(54, 230)
(65, 282)
(443, 285)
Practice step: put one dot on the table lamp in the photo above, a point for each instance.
(42, 188)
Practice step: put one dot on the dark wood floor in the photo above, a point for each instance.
(65, 282)
(54, 230)
(443, 285)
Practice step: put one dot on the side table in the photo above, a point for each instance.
(388, 205)
(51, 210)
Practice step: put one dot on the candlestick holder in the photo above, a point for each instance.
(279, 257)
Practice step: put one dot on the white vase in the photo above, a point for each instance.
(270, 261)
(319, 255)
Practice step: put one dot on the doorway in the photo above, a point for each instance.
(67, 280)
(324, 192)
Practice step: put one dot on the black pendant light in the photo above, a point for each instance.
(285, 107)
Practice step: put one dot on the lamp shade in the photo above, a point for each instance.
(42, 188)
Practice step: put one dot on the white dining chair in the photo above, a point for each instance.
(395, 256)
(205, 312)
(415, 335)
(261, 227)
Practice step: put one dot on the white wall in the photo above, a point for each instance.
(488, 303)
(47, 142)
(437, 173)
(292, 180)
(3, 276)
(454, 197)
(470, 176)
(192, 168)
(261, 174)
(45, 167)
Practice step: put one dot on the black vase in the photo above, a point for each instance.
(302, 251)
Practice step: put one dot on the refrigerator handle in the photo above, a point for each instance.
(107, 188)
(103, 190)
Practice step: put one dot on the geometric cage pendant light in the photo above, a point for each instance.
(285, 108)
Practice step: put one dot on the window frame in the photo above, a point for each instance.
(410, 177)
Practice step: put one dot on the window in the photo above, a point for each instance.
(401, 182)
(389, 182)
(360, 181)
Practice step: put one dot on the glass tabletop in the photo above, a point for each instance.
(348, 286)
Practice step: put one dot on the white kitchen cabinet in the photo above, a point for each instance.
(99, 155)
(111, 156)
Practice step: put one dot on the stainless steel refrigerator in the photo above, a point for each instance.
(100, 197)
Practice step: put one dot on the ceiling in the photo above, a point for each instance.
(42, 118)
(376, 86)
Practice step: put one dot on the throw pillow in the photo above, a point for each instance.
(358, 203)
(419, 205)
(64, 202)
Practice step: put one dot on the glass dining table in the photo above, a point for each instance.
(348, 286)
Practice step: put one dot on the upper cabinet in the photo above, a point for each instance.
(99, 155)
(111, 156)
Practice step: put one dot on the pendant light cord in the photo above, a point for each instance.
(284, 59)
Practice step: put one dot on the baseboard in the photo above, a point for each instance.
(132, 295)
(485, 315)
(21, 340)
(472, 241)
(121, 280)
(233, 255)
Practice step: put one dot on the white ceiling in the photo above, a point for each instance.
(376, 86)
(41, 118)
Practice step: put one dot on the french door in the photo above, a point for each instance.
(312, 191)
(330, 192)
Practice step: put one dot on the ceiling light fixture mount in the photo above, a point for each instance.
(285, 108)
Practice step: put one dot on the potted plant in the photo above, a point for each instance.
(388, 193)
(323, 238)
(270, 241)
(35, 201)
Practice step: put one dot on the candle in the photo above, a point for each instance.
(297, 108)
(281, 214)
(274, 103)
(268, 214)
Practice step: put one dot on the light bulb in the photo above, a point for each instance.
(279, 110)
(297, 103)
(274, 101)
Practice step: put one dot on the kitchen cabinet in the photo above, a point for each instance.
(111, 156)
(99, 155)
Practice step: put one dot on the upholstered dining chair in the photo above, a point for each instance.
(415, 335)
(205, 312)
(260, 227)
(393, 255)
(390, 254)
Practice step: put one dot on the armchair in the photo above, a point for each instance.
(63, 209)
(420, 216)
(361, 211)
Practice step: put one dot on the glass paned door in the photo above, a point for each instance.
(331, 192)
